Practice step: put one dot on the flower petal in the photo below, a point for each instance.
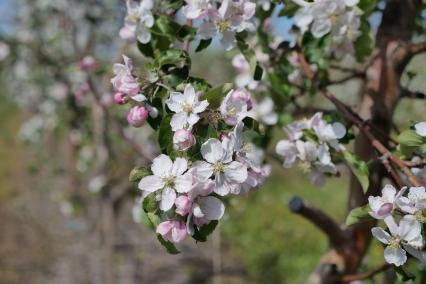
(183, 183)
(381, 235)
(212, 150)
(179, 166)
(395, 255)
(168, 197)
(162, 166)
(235, 172)
(151, 183)
(212, 207)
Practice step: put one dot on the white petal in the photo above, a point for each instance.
(203, 170)
(409, 228)
(388, 193)
(179, 166)
(190, 95)
(320, 28)
(221, 187)
(381, 235)
(235, 172)
(393, 227)
(168, 197)
(339, 130)
(212, 207)
(201, 106)
(183, 183)
(179, 121)
(151, 183)
(395, 255)
(175, 102)
(212, 150)
(162, 166)
(419, 254)
(421, 128)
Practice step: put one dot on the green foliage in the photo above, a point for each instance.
(138, 173)
(204, 43)
(411, 138)
(364, 44)
(201, 234)
(150, 204)
(403, 274)
(215, 95)
(172, 57)
(359, 215)
(359, 168)
(170, 247)
(165, 136)
(289, 9)
(367, 6)
(250, 56)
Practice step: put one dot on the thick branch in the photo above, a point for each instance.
(335, 234)
(364, 275)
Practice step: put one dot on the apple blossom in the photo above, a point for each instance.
(120, 98)
(382, 206)
(218, 162)
(87, 63)
(186, 107)
(138, 21)
(169, 177)
(244, 78)
(123, 81)
(235, 106)
(173, 230)
(183, 140)
(420, 128)
(196, 9)
(405, 237)
(137, 116)
(414, 202)
(264, 111)
(183, 205)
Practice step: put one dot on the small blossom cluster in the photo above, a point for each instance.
(128, 89)
(138, 21)
(311, 142)
(406, 236)
(223, 18)
(339, 18)
(188, 189)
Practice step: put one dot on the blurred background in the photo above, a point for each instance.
(67, 210)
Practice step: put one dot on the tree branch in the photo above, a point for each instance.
(405, 93)
(365, 275)
(335, 234)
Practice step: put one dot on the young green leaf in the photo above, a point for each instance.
(138, 173)
(170, 247)
(359, 215)
(359, 169)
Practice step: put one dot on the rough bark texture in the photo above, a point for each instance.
(377, 106)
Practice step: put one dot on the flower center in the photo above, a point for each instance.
(222, 25)
(218, 168)
(187, 107)
(232, 112)
(169, 181)
(395, 242)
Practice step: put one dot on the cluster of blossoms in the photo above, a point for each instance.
(311, 141)
(407, 236)
(188, 188)
(128, 89)
(339, 18)
(224, 18)
(138, 21)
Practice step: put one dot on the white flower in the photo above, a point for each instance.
(138, 21)
(196, 9)
(405, 237)
(288, 150)
(329, 133)
(421, 128)
(230, 18)
(264, 112)
(168, 176)
(247, 153)
(382, 206)
(414, 202)
(187, 107)
(235, 106)
(244, 77)
(228, 173)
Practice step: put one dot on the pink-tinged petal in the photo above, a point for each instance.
(168, 197)
(162, 166)
(395, 255)
(183, 183)
(179, 121)
(381, 235)
(179, 166)
(212, 207)
(179, 232)
(151, 183)
(196, 210)
(164, 227)
(235, 172)
(183, 205)
(212, 150)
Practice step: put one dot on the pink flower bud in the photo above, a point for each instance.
(183, 205)
(137, 116)
(243, 95)
(183, 140)
(173, 231)
(87, 63)
(120, 98)
(224, 135)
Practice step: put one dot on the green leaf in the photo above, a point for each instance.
(403, 274)
(364, 44)
(411, 138)
(258, 72)
(215, 96)
(250, 56)
(204, 43)
(359, 169)
(165, 135)
(367, 6)
(150, 203)
(290, 8)
(359, 215)
(172, 57)
(146, 49)
(170, 247)
(202, 234)
(138, 173)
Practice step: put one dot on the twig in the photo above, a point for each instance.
(335, 234)
(364, 275)
(412, 94)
